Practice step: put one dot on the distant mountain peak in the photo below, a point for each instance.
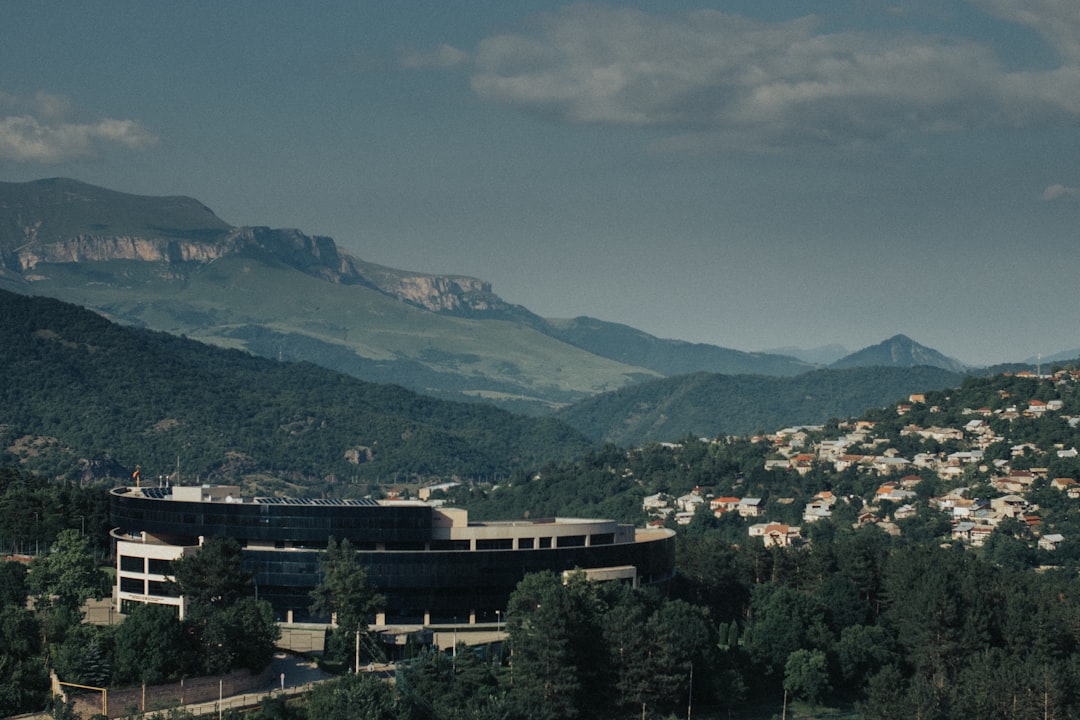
(899, 351)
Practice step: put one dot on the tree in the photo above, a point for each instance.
(782, 621)
(12, 584)
(356, 696)
(23, 676)
(213, 577)
(241, 635)
(150, 645)
(63, 580)
(806, 675)
(540, 624)
(82, 657)
(678, 635)
(344, 591)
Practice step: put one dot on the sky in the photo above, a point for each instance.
(750, 174)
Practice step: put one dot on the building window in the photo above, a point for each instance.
(526, 543)
(545, 542)
(495, 544)
(132, 585)
(163, 589)
(160, 567)
(130, 563)
(571, 541)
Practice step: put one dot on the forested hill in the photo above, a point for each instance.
(82, 397)
(707, 405)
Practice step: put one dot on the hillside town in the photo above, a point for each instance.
(981, 465)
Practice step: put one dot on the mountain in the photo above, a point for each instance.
(899, 351)
(170, 264)
(667, 357)
(821, 355)
(706, 405)
(1058, 357)
(85, 399)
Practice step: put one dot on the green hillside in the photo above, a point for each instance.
(706, 405)
(256, 302)
(668, 357)
(83, 398)
(168, 263)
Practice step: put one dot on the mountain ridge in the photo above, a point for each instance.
(899, 351)
(169, 263)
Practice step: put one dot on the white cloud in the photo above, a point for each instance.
(36, 130)
(713, 78)
(1053, 192)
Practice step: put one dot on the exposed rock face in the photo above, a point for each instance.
(314, 255)
(88, 248)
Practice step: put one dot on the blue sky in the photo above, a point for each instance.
(749, 174)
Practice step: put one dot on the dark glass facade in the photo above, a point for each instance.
(425, 576)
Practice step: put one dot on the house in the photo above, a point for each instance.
(883, 464)
(654, 502)
(683, 517)
(690, 501)
(1022, 449)
(775, 534)
(909, 481)
(424, 493)
(890, 491)
(721, 505)
(1051, 542)
(802, 463)
(1069, 486)
(904, 512)
(750, 507)
(1009, 506)
(971, 534)
(817, 510)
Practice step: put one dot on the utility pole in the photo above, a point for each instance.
(690, 693)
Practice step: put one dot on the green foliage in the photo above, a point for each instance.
(356, 696)
(62, 580)
(344, 591)
(151, 645)
(806, 674)
(230, 628)
(123, 397)
(213, 577)
(704, 405)
(24, 678)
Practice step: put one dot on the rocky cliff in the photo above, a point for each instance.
(314, 255)
(59, 220)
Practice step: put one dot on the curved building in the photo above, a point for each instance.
(431, 563)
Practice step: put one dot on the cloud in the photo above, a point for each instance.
(713, 78)
(37, 130)
(1053, 192)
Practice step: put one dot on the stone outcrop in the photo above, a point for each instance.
(318, 256)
